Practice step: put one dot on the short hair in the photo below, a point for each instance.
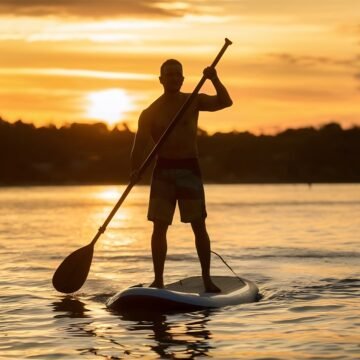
(169, 62)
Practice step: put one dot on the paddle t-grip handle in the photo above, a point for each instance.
(221, 52)
(162, 139)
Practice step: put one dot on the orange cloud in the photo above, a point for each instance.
(83, 8)
(110, 8)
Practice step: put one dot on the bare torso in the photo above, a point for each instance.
(181, 143)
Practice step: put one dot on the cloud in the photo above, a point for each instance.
(352, 64)
(309, 60)
(112, 75)
(304, 9)
(86, 8)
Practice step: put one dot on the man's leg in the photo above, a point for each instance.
(158, 249)
(202, 242)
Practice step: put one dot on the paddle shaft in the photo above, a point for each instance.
(161, 141)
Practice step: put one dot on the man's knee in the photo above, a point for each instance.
(199, 228)
(159, 229)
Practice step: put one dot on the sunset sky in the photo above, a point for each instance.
(293, 63)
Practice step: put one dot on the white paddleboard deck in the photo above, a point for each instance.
(185, 295)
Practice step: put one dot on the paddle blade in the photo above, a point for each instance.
(73, 271)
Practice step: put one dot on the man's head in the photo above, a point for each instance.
(171, 76)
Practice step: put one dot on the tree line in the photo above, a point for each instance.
(93, 154)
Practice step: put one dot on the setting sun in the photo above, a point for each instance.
(109, 105)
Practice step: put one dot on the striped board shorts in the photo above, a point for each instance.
(177, 180)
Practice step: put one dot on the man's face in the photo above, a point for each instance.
(172, 78)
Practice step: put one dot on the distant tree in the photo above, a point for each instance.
(91, 153)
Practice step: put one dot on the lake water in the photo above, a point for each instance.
(299, 244)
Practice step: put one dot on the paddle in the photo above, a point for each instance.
(73, 271)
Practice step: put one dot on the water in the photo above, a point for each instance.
(299, 244)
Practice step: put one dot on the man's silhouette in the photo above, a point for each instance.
(176, 176)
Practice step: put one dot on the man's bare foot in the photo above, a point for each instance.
(210, 287)
(157, 284)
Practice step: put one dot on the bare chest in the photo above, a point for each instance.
(164, 113)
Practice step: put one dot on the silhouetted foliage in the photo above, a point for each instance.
(93, 154)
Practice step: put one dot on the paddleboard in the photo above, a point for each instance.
(185, 295)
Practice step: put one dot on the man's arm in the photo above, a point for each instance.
(142, 143)
(219, 101)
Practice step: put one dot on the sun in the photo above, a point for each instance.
(109, 105)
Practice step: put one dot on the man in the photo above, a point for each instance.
(176, 176)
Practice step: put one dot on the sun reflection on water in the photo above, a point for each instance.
(112, 194)
(113, 240)
(116, 235)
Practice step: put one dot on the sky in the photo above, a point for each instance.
(292, 63)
